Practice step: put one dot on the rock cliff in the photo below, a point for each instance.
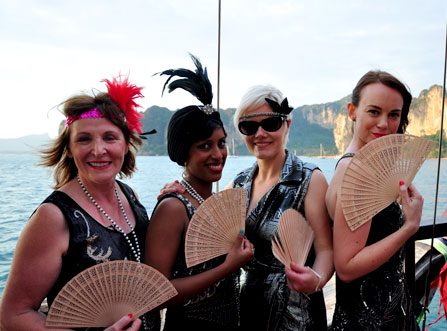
(424, 116)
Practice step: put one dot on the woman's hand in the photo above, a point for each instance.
(240, 253)
(412, 202)
(173, 187)
(302, 279)
(125, 323)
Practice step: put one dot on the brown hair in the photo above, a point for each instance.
(385, 78)
(57, 156)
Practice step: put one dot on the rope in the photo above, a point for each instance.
(427, 283)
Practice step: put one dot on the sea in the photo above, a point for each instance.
(25, 184)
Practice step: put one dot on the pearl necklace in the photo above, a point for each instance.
(135, 250)
(192, 191)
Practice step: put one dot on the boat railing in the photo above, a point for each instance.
(426, 231)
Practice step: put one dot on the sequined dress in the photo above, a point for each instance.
(91, 243)
(379, 300)
(217, 308)
(266, 301)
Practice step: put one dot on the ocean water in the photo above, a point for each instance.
(24, 185)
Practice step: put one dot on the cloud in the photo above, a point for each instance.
(313, 51)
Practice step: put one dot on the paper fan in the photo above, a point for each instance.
(215, 225)
(102, 294)
(371, 181)
(293, 238)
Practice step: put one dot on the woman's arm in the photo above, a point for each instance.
(35, 268)
(36, 265)
(353, 259)
(303, 279)
(163, 241)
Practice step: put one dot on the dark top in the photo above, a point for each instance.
(217, 308)
(91, 243)
(379, 300)
(266, 301)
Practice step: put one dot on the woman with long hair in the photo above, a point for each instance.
(91, 217)
(371, 287)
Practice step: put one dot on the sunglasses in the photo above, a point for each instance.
(270, 124)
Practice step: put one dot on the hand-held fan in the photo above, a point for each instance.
(293, 238)
(102, 294)
(371, 180)
(215, 226)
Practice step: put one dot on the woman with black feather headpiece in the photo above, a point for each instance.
(208, 294)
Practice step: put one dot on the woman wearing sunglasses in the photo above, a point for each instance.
(278, 181)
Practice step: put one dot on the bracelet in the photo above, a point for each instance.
(317, 288)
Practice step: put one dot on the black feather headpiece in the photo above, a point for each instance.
(282, 108)
(196, 83)
(192, 123)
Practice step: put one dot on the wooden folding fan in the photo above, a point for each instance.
(293, 238)
(371, 181)
(215, 225)
(102, 294)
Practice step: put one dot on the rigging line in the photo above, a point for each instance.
(218, 55)
(441, 134)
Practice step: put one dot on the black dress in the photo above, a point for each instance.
(379, 300)
(91, 243)
(216, 308)
(267, 304)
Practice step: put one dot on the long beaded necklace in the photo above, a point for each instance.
(135, 249)
(192, 191)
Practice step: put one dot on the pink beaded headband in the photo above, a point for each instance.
(123, 93)
(92, 113)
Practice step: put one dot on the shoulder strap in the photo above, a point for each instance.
(178, 196)
(344, 156)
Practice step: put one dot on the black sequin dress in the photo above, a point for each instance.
(267, 304)
(216, 308)
(379, 300)
(91, 243)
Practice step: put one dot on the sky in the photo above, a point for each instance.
(313, 51)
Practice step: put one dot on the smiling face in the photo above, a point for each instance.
(377, 114)
(264, 144)
(207, 158)
(98, 148)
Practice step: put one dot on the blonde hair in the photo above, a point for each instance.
(254, 98)
(57, 154)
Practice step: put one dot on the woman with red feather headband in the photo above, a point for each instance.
(90, 217)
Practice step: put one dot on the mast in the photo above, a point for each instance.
(218, 54)
(218, 64)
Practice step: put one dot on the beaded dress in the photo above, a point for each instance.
(91, 243)
(379, 300)
(217, 308)
(266, 301)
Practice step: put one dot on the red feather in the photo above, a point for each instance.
(124, 94)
